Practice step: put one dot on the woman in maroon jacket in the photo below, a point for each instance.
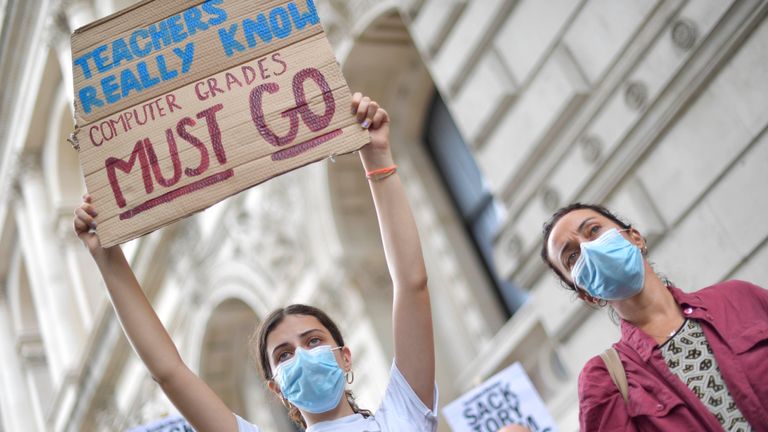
(694, 361)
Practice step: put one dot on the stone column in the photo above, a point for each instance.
(15, 401)
(61, 333)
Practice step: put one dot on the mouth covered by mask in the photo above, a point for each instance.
(609, 267)
(312, 380)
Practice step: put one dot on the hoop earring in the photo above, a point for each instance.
(350, 376)
(285, 402)
(595, 301)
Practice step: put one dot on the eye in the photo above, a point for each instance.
(283, 356)
(593, 230)
(314, 341)
(571, 259)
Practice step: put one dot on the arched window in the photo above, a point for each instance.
(227, 367)
(477, 208)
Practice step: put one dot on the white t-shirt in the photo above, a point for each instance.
(400, 411)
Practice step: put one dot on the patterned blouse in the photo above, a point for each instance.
(688, 355)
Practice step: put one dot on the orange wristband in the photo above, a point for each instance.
(381, 174)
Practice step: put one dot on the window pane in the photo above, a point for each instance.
(454, 161)
(474, 202)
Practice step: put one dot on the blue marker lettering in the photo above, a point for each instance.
(192, 17)
(137, 51)
(100, 60)
(177, 30)
(282, 30)
(261, 27)
(301, 20)
(83, 63)
(228, 40)
(220, 15)
(187, 56)
(89, 99)
(146, 80)
(160, 36)
(120, 52)
(165, 74)
(128, 82)
(111, 89)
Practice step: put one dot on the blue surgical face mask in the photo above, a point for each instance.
(312, 379)
(609, 267)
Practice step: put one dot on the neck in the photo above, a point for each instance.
(343, 409)
(654, 310)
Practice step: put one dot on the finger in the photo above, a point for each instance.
(85, 217)
(87, 198)
(81, 227)
(362, 109)
(90, 209)
(83, 235)
(372, 108)
(381, 117)
(356, 98)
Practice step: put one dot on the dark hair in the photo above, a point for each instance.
(259, 348)
(548, 225)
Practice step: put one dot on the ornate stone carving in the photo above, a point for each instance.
(29, 346)
(551, 198)
(591, 148)
(513, 244)
(636, 95)
(268, 227)
(9, 189)
(684, 33)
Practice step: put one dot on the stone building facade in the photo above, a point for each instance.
(656, 108)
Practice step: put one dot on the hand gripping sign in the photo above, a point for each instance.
(182, 103)
(506, 398)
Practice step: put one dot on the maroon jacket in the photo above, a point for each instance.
(734, 318)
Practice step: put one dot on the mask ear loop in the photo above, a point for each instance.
(644, 249)
(285, 402)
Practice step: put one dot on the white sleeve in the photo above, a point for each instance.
(401, 401)
(244, 426)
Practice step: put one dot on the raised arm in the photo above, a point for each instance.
(195, 400)
(412, 316)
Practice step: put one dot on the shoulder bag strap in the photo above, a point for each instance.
(616, 370)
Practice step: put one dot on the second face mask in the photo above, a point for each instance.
(609, 267)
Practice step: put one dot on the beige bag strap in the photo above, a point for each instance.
(616, 369)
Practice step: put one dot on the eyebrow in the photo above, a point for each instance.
(581, 227)
(304, 333)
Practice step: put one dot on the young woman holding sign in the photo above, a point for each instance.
(691, 360)
(301, 353)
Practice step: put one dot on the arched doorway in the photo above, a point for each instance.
(227, 367)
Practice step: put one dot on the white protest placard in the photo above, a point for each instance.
(506, 398)
(182, 103)
(174, 423)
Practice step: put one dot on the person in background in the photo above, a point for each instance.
(693, 359)
(300, 351)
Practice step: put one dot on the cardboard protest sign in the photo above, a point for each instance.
(174, 423)
(181, 103)
(506, 398)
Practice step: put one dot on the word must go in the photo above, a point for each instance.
(144, 155)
